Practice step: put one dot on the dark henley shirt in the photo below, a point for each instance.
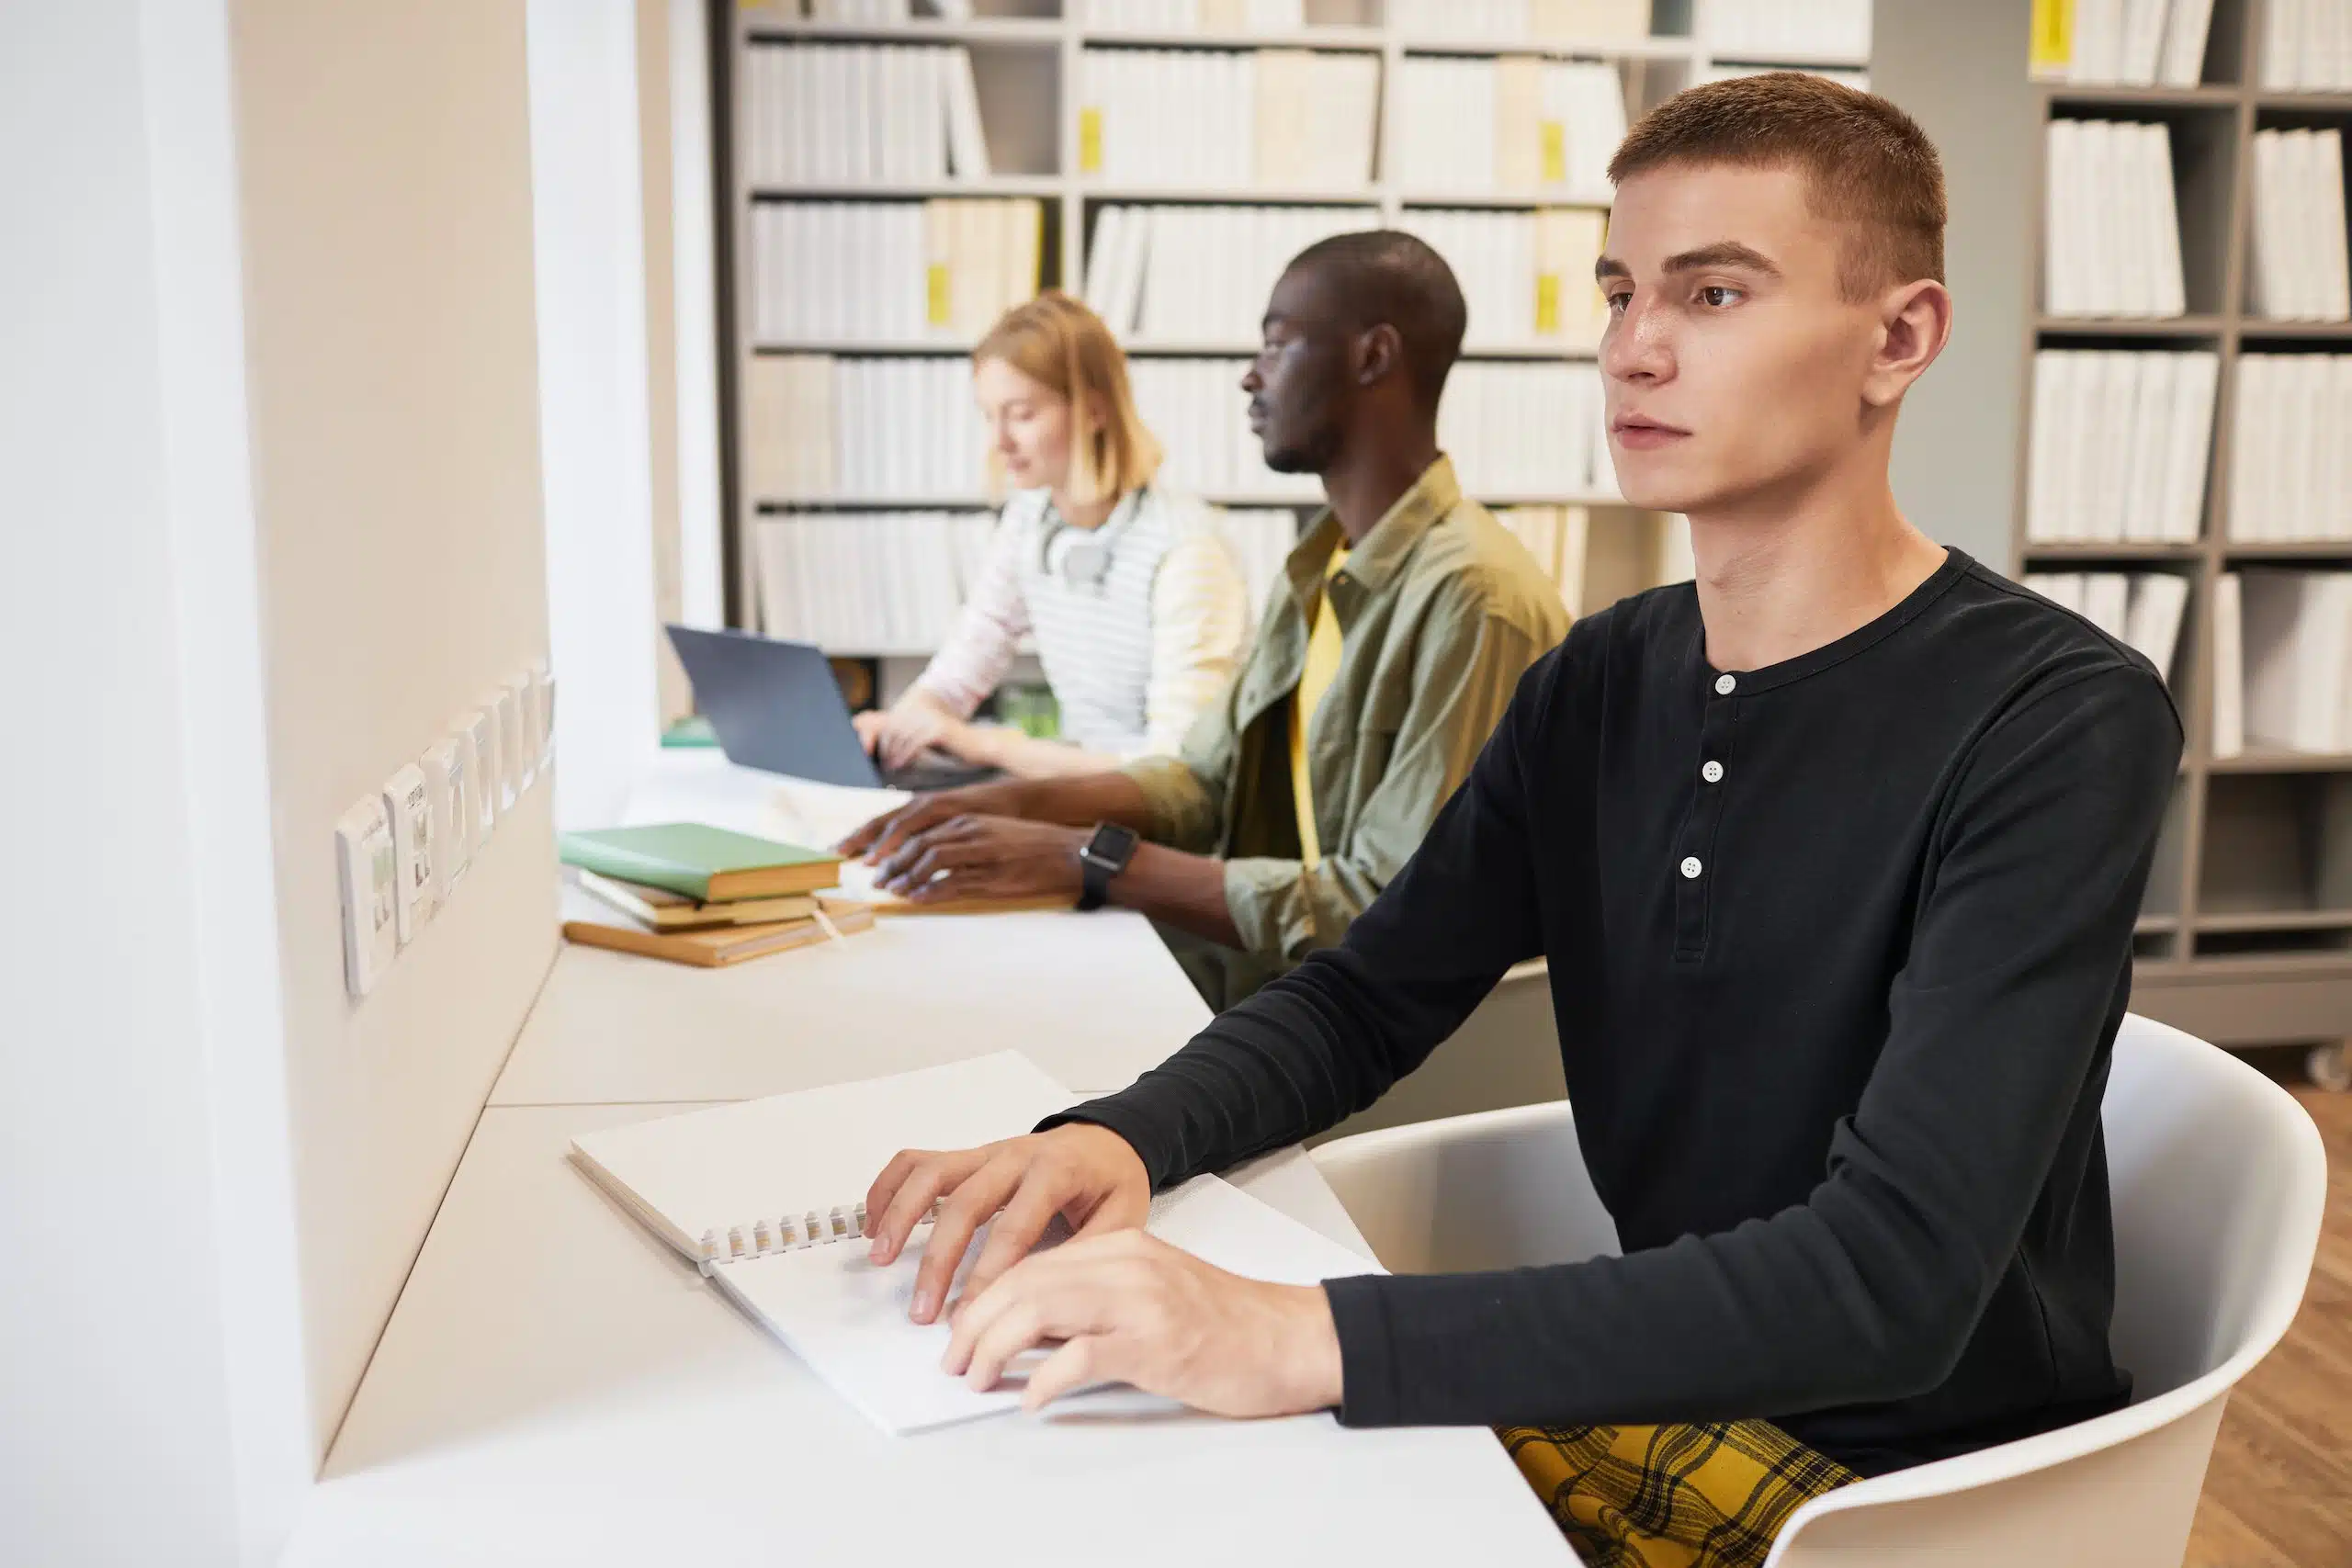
(1837, 948)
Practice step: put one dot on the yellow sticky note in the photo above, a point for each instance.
(1547, 303)
(2050, 50)
(1555, 153)
(1090, 140)
(940, 310)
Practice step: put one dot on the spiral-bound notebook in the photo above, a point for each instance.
(767, 1198)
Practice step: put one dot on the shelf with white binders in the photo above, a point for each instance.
(898, 177)
(2305, 46)
(2187, 481)
(2136, 209)
(2296, 265)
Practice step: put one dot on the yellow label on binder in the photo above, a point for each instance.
(1090, 140)
(1547, 302)
(941, 310)
(1555, 153)
(2051, 49)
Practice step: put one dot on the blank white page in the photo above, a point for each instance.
(848, 1319)
(737, 1164)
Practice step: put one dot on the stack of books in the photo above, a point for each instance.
(860, 115)
(2298, 269)
(1196, 16)
(1525, 276)
(2306, 45)
(2127, 42)
(1200, 413)
(874, 584)
(1280, 118)
(1522, 21)
(890, 272)
(1194, 275)
(2290, 477)
(1516, 123)
(2120, 442)
(2114, 229)
(825, 428)
(1555, 537)
(1527, 429)
(2282, 662)
(694, 894)
(1792, 29)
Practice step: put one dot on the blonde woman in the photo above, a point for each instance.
(1138, 611)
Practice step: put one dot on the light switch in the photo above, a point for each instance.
(525, 733)
(366, 868)
(410, 808)
(543, 684)
(507, 721)
(488, 772)
(444, 764)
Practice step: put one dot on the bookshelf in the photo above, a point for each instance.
(1027, 59)
(2247, 933)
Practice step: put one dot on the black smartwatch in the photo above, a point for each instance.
(1103, 857)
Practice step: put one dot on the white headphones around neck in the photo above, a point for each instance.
(1087, 562)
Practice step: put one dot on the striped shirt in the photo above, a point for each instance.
(1140, 623)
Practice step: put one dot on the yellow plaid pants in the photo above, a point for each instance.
(1713, 1496)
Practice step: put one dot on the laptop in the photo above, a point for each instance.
(775, 705)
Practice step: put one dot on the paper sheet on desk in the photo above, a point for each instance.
(823, 815)
(848, 1319)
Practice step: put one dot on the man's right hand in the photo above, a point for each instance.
(879, 839)
(1088, 1176)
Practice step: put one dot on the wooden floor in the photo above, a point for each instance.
(2280, 1492)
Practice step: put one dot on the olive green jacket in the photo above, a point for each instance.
(1441, 610)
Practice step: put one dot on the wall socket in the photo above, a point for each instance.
(366, 865)
(446, 782)
(400, 852)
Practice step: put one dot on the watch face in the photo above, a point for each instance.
(1111, 844)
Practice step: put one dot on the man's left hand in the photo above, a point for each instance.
(1129, 1308)
(985, 857)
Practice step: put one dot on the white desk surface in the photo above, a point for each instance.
(1094, 999)
(555, 1386)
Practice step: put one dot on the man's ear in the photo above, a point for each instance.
(1380, 349)
(1914, 322)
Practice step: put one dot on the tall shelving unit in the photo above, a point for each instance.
(2245, 935)
(1026, 59)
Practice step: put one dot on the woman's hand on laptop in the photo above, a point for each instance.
(1088, 1177)
(1126, 1307)
(902, 732)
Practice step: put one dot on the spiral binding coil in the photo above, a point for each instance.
(790, 1233)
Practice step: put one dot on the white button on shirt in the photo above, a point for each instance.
(1690, 866)
(1712, 772)
(1725, 685)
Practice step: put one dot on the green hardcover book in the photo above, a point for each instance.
(701, 861)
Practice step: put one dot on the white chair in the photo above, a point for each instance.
(2218, 1179)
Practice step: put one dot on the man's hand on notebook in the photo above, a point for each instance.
(1126, 1307)
(1088, 1177)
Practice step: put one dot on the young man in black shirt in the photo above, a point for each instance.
(1835, 855)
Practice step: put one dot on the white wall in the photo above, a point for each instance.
(702, 570)
(385, 190)
(150, 1355)
(593, 421)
